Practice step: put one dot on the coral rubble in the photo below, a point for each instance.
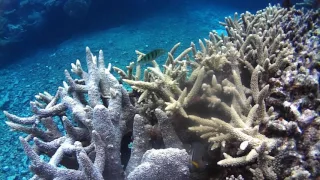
(251, 97)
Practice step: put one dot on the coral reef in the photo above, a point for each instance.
(94, 128)
(255, 92)
(251, 98)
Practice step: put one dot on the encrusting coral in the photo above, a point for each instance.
(252, 95)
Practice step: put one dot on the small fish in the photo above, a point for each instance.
(151, 55)
(197, 158)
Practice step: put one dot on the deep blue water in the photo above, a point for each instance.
(54, 25)
(118, 27)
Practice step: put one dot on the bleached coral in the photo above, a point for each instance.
(212, 87)
(253, 96)
(96, 113)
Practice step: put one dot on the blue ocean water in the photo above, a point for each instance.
(49, 40)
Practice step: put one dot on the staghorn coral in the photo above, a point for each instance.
(212, 88)
(252, 96)
(96, 113)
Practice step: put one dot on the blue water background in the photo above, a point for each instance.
(37, 65)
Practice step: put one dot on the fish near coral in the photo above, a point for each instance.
(198, 157)
(152, 55)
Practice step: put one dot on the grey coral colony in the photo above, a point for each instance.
(235, 106)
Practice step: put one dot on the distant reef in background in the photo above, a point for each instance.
(38, 22)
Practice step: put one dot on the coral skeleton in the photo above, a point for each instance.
(94, 128)
(251, 97)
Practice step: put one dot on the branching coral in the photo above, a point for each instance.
(253, 96)
(96, 113)
(212, 88)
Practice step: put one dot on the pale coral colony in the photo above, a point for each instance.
(251, 98)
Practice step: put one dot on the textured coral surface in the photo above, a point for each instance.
(250, 98)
